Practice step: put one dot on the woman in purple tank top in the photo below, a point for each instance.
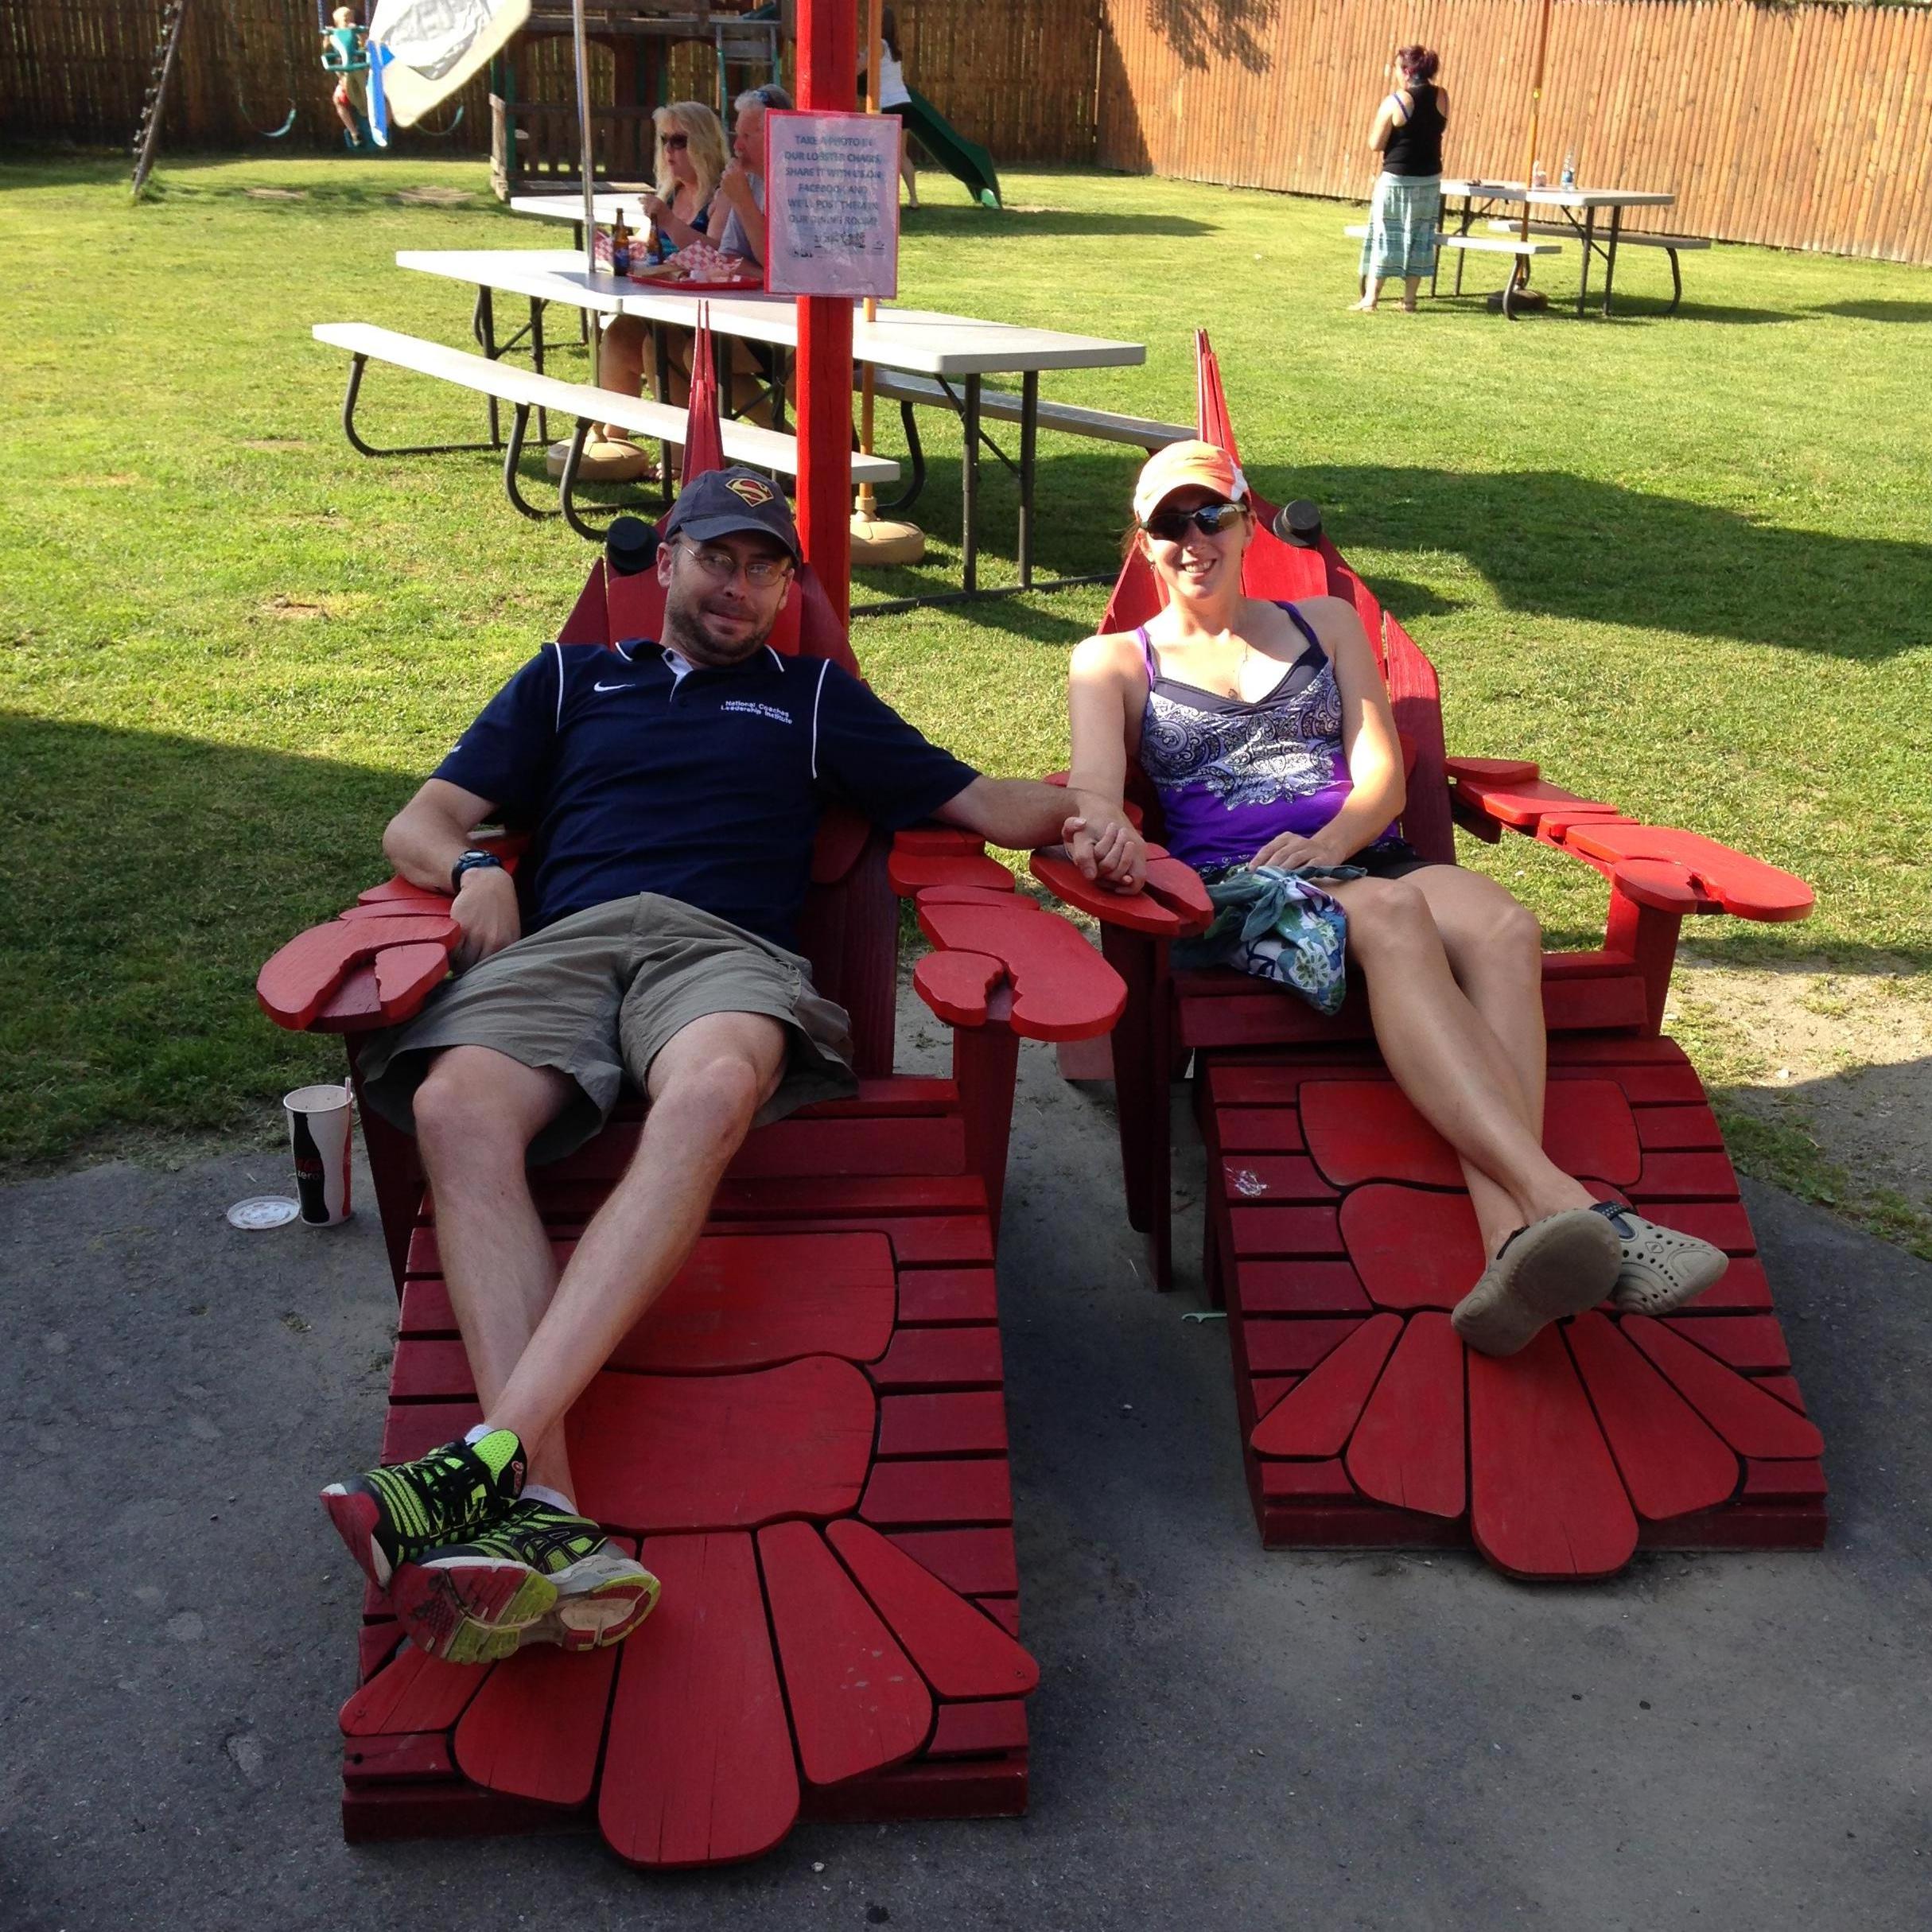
(1265, 729)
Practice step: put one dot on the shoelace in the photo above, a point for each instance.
(455, 1487)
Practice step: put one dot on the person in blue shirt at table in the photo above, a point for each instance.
(674, 789)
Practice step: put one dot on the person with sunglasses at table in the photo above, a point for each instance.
(1265, 731)
(674, 787)
(690, 158)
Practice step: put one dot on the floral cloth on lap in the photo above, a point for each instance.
(1279, 925)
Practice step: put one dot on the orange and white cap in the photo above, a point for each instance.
(1183, 466)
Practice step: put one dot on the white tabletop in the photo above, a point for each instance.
(629, 203)
(922, 341)
(1556, 197)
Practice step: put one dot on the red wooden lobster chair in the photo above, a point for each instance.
(1338, 1230)
(845, 1529)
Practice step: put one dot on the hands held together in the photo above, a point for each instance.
(1105, 847)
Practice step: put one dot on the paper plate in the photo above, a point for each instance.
(261, 1211)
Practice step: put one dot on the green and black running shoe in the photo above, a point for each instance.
(539, 1575)
(390, 1515)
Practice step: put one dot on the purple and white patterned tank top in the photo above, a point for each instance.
(1234, 773)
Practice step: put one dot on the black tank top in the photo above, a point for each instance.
(1415, 148)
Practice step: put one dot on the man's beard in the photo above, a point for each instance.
(687, 631)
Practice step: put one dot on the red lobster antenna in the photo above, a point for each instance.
(1211, 419)
(704, 437)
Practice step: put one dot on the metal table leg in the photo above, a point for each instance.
(536, 352)
(1609, 260)
(969, 490)
(483, 326)
(1029, 437)
(1589, 248)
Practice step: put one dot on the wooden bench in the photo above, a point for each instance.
(1673, 245)
(912, 392)
(772, 451)
(1479, 244)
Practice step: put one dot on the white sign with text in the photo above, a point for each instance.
(832, 204)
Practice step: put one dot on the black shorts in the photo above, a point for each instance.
(1393, 858)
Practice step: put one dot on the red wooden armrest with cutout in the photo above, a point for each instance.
(1658, 866)
(996, 954)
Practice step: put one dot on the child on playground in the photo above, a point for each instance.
(344, 54)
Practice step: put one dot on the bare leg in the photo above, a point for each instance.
(705, 1087)
(1412, 287)
(1444, 1054)
(477, 1113)
(1371, 293)
(620, 365)
(908, 173)
(1495, 951)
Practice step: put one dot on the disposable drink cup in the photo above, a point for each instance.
(319, 1122)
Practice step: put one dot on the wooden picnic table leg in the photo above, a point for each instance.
(1589, 243)
(1609, 260)
(968, 490)
(1029, 437)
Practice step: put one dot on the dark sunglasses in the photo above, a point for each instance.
(668, 141)
(1210, 519)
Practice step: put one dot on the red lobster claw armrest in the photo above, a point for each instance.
(371, 967)
(1171, 905)
(929, 855)
(991, 946)
(1641, 856)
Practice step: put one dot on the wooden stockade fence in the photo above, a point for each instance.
(1804, 126)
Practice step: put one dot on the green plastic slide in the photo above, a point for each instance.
(966, 160)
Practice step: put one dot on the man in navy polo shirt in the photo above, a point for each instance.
(674, 790)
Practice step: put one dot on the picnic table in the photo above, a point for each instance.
(956, 352)
(1575, 211)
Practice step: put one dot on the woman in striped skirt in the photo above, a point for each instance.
(1406, 213)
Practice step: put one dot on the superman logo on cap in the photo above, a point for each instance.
(753, 490)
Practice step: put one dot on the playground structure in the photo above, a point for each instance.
(1338, 1235)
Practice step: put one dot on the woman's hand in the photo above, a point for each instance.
(1115, 855)
(656, 206)
(486, 908)
(1292, 849)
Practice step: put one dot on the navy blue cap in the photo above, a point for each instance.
(725, 503)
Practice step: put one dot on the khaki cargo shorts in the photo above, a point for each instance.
(597, 994)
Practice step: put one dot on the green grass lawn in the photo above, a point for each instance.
(1686, 563)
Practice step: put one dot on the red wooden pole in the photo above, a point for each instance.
(828, 63)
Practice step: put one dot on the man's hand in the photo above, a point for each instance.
(486, 909)
(735, 186)
(1110, 851)
(1292, 850)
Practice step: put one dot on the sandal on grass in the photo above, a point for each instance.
(1560, 1265)
(1660, 1269)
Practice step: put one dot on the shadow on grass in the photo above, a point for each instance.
(1563, 545)
(148, 876)
(1878, 311)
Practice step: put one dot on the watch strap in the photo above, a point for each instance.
(473, 861)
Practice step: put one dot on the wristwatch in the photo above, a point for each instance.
(472, 860)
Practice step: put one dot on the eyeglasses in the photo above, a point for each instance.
(721, 566)
(1210, 519)
(669, 142)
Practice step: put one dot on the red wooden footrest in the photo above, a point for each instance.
(805, 1440)
(1341, 1236)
